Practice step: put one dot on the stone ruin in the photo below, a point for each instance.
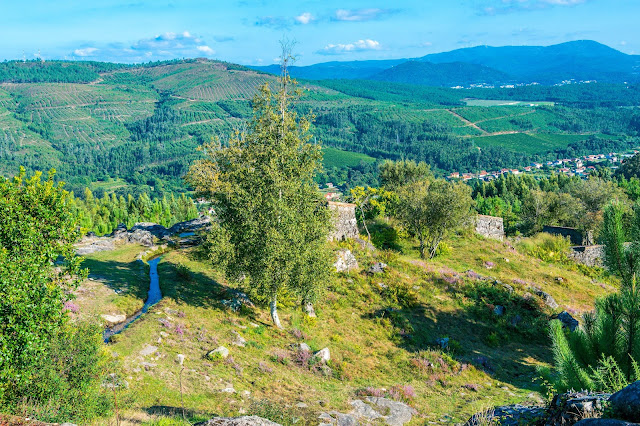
(584, 250)
(346, 225)
(576, 236)
(490, 227)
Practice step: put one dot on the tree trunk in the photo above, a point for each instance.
(422, 248)
(364, 222)
(274, 312)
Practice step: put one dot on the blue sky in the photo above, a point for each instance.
(248, 31)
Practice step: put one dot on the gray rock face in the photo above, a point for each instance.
(372, 409)
(344, 220)
(499, 310)
(569, 408)
(238, 421)
(238, 339)
(346, 261)
(323, 354)
(625, 404)
(377, 268)
(93, 244)
(568, 321)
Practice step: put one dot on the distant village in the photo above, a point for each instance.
(566, 166)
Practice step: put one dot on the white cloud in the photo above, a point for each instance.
(87, 51)
(357, 46)
(304, 18)
(357, 15)
(511, 6)
(206, 49)
(169, 45)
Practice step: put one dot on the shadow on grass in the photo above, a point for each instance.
(505, 346)
(168, 411)
(122, 277)
(384, 236)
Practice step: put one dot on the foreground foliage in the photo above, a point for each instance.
(47, 365)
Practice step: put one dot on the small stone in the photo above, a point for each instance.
(239, 340)
(228, 390)
(113, 319)
(254, 325)
(148, 350)
(499, 310)
(246, 393)
(443, 342)
(301, 405)
(323, 354)
(180, 359)
(377, 268)
(568, 321)
(164, 334)
(346, 261)
(148, 366)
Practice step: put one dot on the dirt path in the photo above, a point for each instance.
(467, 122)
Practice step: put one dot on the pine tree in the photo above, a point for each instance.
(272, 222)
(601, 355)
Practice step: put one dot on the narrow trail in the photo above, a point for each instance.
(467, 122)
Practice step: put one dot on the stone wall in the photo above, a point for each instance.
(490, 227)
(576, 236)
(588, 255)
(346, 225)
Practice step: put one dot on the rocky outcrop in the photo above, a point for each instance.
(238, 421)
(380, 410)
(377, 268)
(604, 422)
(509, 415)
(568, 321)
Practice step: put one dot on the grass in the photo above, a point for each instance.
(338, 158)
(528, 143)
(382, 331)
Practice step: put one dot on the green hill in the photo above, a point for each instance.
(141, 125)
(382, 332)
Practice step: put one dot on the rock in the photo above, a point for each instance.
(148, 365)
(238, 421)
(92, 244)
(68, 424)
(443, 342)
(399, 413)
(365, 244)
(301, 405)
(220, 351)
(604, 422)
(568, 321)
(508, 415)
(323, 354)
(308, 308)
(360, 409)
(239, 340)
(625, 404)
(180, 359)
(237, 301)
(302, 347)
(499, 310)
(113, 319)
(346, 261)
(228, 390)
(570, 407)
(148, 350)
(377, 268)
(546, 297)
(141, 237)
(338, 419)
(246, 394)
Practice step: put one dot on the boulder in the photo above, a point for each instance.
(570, 407)
(238, 421)
(499, 310)
(377, 268)
(113, 319)
(323, 354)
(604, 422)
(346, 261)
(546, 298)
(238, 340)
(398, 413)
(219, 351)
(140, 237)
(365, 244)
(568, 321)
(625, 404)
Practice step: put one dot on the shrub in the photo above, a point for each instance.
(547, 247)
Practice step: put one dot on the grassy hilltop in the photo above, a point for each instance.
(382, 332)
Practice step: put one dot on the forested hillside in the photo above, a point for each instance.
(135, 128)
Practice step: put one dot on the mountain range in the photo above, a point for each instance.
(583, 60)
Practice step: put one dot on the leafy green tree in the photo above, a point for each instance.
(45, 360)
(394, 174)
(602, 354)
(272, 221)
(431, 209)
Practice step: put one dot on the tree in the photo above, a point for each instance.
(44, 358)
(601, 355)
(273, 223)
(394, 174)
(431, 209)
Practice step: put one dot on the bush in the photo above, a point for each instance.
(547, 247)
(66, 384)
